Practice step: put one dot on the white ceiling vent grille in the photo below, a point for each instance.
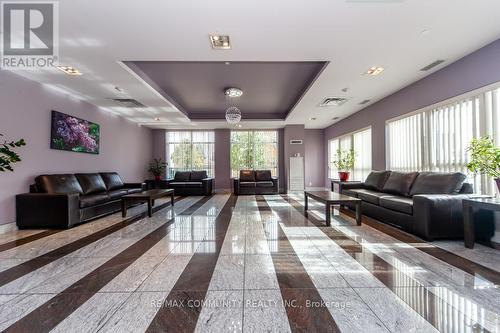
(128, 102)
(333, 101)
(431, 66)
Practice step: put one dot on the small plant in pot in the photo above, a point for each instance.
(156, 168)
(8, 156)
(344, 162)
(485, 158)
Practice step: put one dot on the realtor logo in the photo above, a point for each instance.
(30, 34)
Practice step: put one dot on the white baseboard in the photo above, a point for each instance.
(8, 227)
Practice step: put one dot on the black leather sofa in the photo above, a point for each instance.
(191, 183)
(64, 200)
(427, 204)
(255, 182)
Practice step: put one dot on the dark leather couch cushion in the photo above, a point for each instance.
(198, 175)
(247, 184)
(398, 204)
(193, 184)
(355, 192)
(115, 194)
(133, 190)
(376, 180)
(263, 175)
(63, 184)
(264, 184)
(371, 196)
(400, 183)
(438, 183)
(182, 176)
(93, 199)
(247, 176)
(112, 180)
(91, 183)
(177, 184)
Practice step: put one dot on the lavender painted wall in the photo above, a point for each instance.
(159, 146)
(474, 71)
(314, 158)
(222, 159)
(25, 110)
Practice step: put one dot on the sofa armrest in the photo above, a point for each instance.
(208, 185)
(41, 210)
(439, 215)
(135, 185)
(236, 185)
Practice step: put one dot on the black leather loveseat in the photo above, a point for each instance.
(426, 204)
(63, 200)
(191, 183)
(255, 182)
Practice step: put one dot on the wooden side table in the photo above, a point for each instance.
(339, 183)
(469, 205)
(152, 184)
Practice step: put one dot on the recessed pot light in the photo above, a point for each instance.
(375, 70)
(157, 119)
(220, 42)
(312, 118)
(70, 70)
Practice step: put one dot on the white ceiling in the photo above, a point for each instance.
(96, 35)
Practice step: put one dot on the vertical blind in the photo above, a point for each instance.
(361, 142)
(190, 150)
(437, 139)
(254, 150)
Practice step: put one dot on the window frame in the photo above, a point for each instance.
(209, 165)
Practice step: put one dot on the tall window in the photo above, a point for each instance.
(361, 142)
(188, 151)
(436, 139)
(254, 150)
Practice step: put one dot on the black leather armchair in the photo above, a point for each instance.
(426, 204)
(255, 182)
(191, 183)
(64, 200)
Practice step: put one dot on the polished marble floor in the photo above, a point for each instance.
(247, 263)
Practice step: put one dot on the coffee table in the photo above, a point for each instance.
(469, 205)
(332, 198)
(148, 196)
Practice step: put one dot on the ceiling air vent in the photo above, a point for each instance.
(333, 101)
(365, 102)
(128, 102)
(431, 66)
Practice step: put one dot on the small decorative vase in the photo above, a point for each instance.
(344, 176)
(157, 177)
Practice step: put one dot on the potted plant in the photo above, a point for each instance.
(156, 167)
(485, 158)
(344, 162)
(7, 154)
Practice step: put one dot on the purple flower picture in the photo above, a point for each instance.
(74, 134)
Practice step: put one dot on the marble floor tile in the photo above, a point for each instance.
(256, 245)
(264, 311)
(228, 273)
(165, 275)
(260, 272)
(20, 306)
(222, 312)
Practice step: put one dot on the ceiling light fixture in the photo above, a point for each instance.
(374, 71)
(233, 115)
(220, 42)
(157, 119)
(69, 70)
(312, 118)
(233, 92)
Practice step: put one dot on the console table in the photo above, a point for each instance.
(469, 205)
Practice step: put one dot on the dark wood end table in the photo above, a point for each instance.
(330, 199)
(148, 196)
(339, 184)
(469, 205)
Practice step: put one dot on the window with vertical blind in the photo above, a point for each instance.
(436, 139)
(361, 142)
(254, 150)
(190, 150)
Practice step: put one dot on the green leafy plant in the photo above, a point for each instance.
(7, 154)
(484, 157)
(157, 166)
(345, 159)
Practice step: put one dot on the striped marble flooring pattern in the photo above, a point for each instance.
(249, 263)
